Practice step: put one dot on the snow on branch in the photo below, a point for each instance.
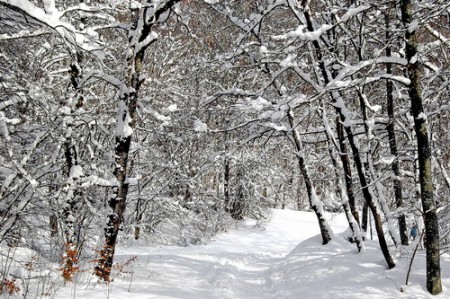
(237, 127)
(304, 35)
(438, 35)
(23, 34)
(123, 127)
(399, 79)
(344, 84)
(236, 92)
(150, 38)
(51, 17)
(143, 35)
(200, 126)
(249, 26)
(350, 70)
(351, 12)
(85, 8)
(19, 165)
(94, 180)
(105, 77)
(302, 32)
(155, 114)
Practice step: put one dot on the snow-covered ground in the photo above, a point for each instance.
(283, 260)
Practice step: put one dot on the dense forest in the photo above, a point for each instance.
(166, 121)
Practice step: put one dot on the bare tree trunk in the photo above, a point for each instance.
(117, 201)
(314, 200)
(372, 177)
(71, 207)
(53, 225)
(368, 197)
(365, 217)
(237, 207)
(345, 159)
(227, 177)
(339, 105)
(393, 144)
(141, 37)
(353, 224)
(434, 285)
(139, 210)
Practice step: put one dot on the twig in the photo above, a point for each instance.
(412, 258)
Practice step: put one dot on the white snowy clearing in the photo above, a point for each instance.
(283, 260)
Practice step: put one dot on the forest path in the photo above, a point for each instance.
(283, 260)
(237, 264)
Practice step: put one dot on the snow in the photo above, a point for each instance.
(158, 116)
(76, 172)
(353, 12)
(51, 17)
(386, 160)
(172, 108)
(135, 5)
(374, 108)
(23, 33)
(263, 49)
(259, 104)
(283, 260)
(200, 126)
(151, 37)
(123, 129)
(95, 180)
(413, 26)
(422, 116)
(275, 127)
(301, 34)
(288, 61)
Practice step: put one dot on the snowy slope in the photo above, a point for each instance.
(284, 260)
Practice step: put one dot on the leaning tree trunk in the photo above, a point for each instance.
(371, 174)
(141, 36)
(368, 196)
(345, 159)
(434, 285)
(117, 200)
(340, 107)
(345, 201)
(314, 201)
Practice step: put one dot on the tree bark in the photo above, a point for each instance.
(393, 145)
(71, 207)
(146, 17)
(368, 197)
(347, 170)
(339, 106)
(314, 200)
(371, 174)
(227, 177)
(345, 201)
(434, 285)
(116, 203)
